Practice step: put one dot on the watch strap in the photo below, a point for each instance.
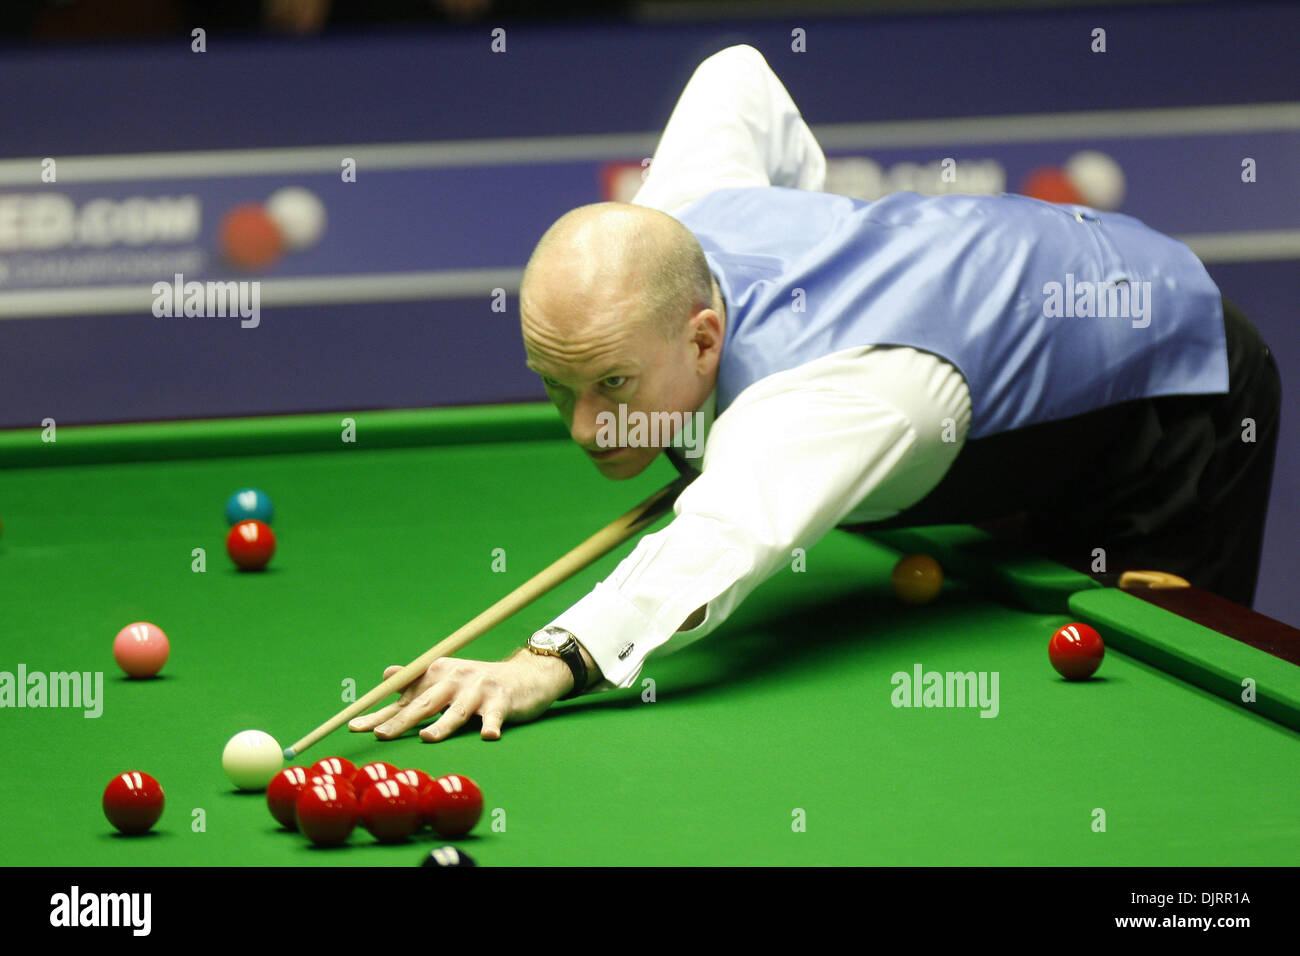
(571, 654)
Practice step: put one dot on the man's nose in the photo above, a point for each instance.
(585, 427)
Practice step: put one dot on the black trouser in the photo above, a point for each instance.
(1165, 484)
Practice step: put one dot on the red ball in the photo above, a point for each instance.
(1076, 650)
(250, 238)
(327, 813)
(418, 779)
(338, 766)
(370, 774)
(318, 779)
(282, 794)
(250, 544)
(391, 811)
(133, 801)
(453, 805)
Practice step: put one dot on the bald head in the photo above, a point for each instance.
(619, 316)
(620, 262)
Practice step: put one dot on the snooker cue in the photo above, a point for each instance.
(597, 546)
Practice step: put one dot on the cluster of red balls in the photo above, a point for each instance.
(327, 800)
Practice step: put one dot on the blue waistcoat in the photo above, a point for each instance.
(997, 285)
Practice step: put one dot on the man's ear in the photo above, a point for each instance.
(708, 336)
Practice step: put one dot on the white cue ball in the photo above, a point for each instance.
(299, 214)
(1098, 178)
(251, 759)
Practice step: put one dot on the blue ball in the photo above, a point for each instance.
(249, 504)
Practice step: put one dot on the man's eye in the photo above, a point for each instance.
(615, 381)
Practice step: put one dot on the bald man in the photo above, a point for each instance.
(909, 361)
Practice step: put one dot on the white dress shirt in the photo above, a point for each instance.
(858, 435)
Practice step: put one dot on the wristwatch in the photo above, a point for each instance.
(557, 642)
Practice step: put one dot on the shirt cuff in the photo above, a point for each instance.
(610, 627)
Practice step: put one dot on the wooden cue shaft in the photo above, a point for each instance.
(598, 545)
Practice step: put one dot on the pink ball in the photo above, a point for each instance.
(141, 649)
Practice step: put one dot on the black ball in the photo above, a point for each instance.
(444, 856)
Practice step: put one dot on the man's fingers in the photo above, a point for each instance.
(370, 721)
(499, 691)
(417, 709)
(454, 715)
(493, 717)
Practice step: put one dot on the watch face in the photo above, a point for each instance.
(551, 639)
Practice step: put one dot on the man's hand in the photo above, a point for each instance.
(517, 689)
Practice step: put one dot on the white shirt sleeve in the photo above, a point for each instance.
(734, 125)
(859, 435)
